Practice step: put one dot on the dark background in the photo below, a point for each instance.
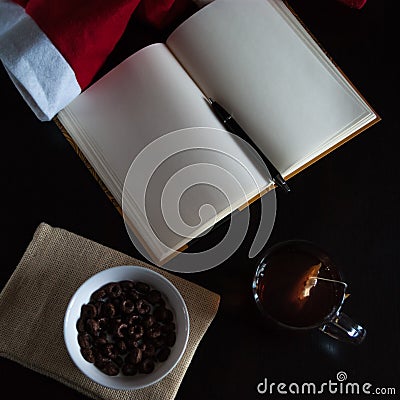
(347, 203)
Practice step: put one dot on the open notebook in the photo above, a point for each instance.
(254, 57)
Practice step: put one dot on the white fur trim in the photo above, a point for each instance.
(39, 71)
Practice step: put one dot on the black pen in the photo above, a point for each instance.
(233, 127)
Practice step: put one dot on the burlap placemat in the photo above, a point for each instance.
(34, 301)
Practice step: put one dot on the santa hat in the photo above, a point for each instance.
(52, 49)
(354, 3)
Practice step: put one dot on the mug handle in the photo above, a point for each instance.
(343, 328)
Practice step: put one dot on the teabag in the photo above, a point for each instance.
(307, 282)
(301, 292)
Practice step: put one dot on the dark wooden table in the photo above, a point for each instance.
(347, 202)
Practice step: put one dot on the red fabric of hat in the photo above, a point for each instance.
(354, 3)
(52, 49)
(85, 32)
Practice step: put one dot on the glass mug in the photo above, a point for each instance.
(297, 287)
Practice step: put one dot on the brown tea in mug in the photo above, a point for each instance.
(294, 286)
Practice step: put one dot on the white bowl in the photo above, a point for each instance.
(174, 302)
